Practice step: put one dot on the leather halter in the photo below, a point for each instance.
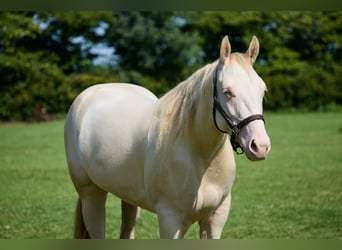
(235, 128)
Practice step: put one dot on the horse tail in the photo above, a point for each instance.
(80, 231)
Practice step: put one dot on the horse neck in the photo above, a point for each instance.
(201, 130)
(185, 114)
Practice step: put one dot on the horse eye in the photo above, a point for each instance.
(228, 93)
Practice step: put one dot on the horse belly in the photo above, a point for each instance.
(112, 132)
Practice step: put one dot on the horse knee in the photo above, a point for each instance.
(212, 227)
(210, 231)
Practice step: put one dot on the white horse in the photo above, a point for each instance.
(170, 155)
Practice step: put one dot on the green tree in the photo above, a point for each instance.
(212, 26)
(46, 58)
(38, 53)
(300, 56)
(304, 63)
(153, 44)
(67, 37)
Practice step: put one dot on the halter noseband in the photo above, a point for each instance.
(235, 128)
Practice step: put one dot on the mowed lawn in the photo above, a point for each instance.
(295, 193)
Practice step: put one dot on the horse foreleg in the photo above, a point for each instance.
(129, 216)
(93, 201)
(211, 228)
(172, 224)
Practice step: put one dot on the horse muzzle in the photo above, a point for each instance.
(254, 140)
(258, 150)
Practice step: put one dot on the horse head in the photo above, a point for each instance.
(238, 97)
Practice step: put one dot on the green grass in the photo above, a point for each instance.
(295, 193)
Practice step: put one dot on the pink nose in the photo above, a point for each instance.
(259, 149)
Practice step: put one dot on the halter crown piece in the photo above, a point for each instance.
(235, 128)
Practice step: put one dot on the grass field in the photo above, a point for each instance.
(295, 193)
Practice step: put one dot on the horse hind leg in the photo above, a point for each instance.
(90, 219)
(129, 216)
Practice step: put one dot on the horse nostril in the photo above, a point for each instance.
(254, 147)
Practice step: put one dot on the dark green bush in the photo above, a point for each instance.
(28, 87)
(303, 86)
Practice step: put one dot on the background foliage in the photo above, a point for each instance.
(47, 58)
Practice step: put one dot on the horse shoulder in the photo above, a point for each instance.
(171, 175)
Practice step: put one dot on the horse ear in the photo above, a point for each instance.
(225, 49)
(253, 49)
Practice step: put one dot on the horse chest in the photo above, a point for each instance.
(216, 183)
(208, 199)
(213, 190)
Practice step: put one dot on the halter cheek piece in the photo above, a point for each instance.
(235, 128)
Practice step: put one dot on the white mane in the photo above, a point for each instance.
(178, 108)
